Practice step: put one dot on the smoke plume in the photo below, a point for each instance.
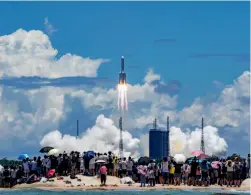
(102, 137)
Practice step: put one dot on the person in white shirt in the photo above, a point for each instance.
(26, 168)
(165, 170)
(129, 165)
(123, 167)
(185, 171)
(34, 166)
(46, 164)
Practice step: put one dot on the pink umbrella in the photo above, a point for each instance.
(141, 170)
(202, 156)
(215, 164)
(197, 153)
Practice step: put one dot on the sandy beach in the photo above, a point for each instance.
(113, 183)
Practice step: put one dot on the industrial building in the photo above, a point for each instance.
(159, 141)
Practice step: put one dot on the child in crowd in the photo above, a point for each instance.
(151, 177)
(198, 175)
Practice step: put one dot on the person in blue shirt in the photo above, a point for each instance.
(204, 172)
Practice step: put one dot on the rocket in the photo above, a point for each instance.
(122, 74)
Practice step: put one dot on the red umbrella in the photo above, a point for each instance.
(202, 156)
(197, 153)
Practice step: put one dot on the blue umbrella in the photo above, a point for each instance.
(23, 156)
(199, 161)
(90, 154)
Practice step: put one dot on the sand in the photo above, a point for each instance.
(113, 183)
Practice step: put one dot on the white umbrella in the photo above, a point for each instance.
(100, 161)
(1, 169)
(53, 152)
(179, 158)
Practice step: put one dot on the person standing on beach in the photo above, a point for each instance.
(194, 166)
(26, 168)
(123, 167)
(248, 166)
(165, 170)
(103, 173)
(110, 164)
(129, 165)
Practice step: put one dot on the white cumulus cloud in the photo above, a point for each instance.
(151, 76)
(30, 53)
(185, 142)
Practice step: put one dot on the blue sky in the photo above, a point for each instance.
(169, 37)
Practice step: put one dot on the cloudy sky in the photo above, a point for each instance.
(59, 63)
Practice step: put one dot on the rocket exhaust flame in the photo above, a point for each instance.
(122, 97)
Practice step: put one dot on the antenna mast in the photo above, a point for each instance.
(121, 148)
(168, 134)
(77, 130)
(202, 144)
(155, 124)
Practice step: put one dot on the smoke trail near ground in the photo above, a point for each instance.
(102, 137)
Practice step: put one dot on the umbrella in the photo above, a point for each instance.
(202, 156)
(136, 159)
(197, 152)
(53, 152)
(46, 149)
(141, 169)
(179, 158)
(215, 164)
(1, 169)
(90, 154)
(199, 161)
(23, 156)
(144, 160)
(100, 161)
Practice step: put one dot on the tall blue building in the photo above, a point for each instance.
(159, 141)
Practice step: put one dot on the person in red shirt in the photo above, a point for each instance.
(103, 173)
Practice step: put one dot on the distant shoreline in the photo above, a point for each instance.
(87, 183)
(125, 187)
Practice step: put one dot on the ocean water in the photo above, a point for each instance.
(117, 192)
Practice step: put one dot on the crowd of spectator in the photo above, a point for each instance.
(167, 172)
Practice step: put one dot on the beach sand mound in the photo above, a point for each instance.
(80, 181)
(246, 184)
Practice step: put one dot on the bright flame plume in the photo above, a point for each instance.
(122, 97)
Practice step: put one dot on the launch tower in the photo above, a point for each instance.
(168, 137)
(121, 147)
(202, 146)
